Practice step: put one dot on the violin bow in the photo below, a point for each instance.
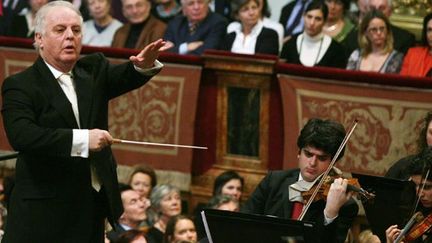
(327, 172)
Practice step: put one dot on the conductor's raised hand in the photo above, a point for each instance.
(150, 53)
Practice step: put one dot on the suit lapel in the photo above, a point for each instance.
(83, 89)
(288, 205)
(58, 98)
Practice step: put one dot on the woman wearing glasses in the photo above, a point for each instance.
(376, 53)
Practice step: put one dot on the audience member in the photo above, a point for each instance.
(367, 236)
(143, 179)
(229, 183)
(24, 25)
(100, 30)
(134, 212)
(221, 7)
(224, 202)
(337, 25)
(166, 10)
(376, 53)
(279, 193)
(418, 60)
(142, 28)
(250, 37)
(313, 47)
(266, 21)
(131, 236)
(292, 18)
(180, 229)
(399, 169)
(11, 8)
(165, 204)
(402, 38)
(197, 30)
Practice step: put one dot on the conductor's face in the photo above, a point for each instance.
(60, 40)
(312, 162)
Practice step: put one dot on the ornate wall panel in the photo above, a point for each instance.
(389, 119)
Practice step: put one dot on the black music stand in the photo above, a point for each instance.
(393, 202)
(233, 227)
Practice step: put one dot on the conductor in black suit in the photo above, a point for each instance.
(279, 193)
(66, 181)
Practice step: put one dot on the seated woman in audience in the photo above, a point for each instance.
(251, 36)
(267, 22)
(418, 60)
(143, 180)
(165, 204)
(180, 229)
(313, 47)
(229, 183)
(376, 53)
(166, 10)
(224, 202)
(100, 30)
(337, 25)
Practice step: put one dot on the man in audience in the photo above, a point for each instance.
(135, 211)
(291, 18)
(142, 28)
(402, 38)
(197, 30)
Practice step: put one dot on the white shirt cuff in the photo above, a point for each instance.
(183, 48)
(80, 143)
(328, 220)
(150, 71)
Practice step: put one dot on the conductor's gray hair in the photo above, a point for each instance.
(40, 19)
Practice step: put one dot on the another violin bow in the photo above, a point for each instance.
(327, 172)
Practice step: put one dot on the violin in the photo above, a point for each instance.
(353, 185)
(419, 229)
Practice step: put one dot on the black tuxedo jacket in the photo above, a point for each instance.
(53, 200)
(267, 42)
(271, 197)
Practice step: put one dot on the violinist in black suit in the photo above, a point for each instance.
(416, 168)
(280, 192)
(55, 114)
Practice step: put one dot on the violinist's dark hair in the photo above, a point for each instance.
(325, 135)
(420, 163)
(422, 141)
(223, 178)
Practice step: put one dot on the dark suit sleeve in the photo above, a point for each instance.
(214, 37)
(289, 51)
(228, 42)
(267, 42)
(338, 229)
(170, 34)
(257, 201)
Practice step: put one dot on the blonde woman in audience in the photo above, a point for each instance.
(418, 60)
(143, 179)
(376, 53)
(165, 204)
(100, 30)
(250, 37)
(180, 229)
(366, 236)
(338, 26)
